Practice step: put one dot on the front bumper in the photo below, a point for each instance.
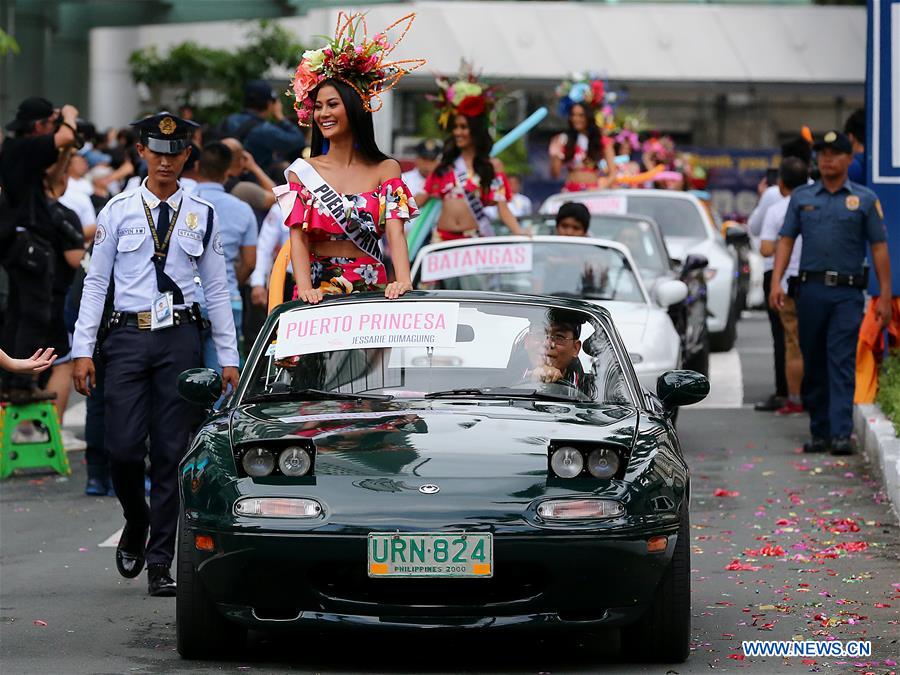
(540, 580)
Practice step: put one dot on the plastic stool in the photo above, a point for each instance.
(49, 453)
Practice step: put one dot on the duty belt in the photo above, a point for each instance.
(141, 320)
(830, 278)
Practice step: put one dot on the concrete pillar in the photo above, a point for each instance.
(114, 99)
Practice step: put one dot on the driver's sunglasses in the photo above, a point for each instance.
(539, 334)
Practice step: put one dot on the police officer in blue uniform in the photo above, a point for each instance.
(152, 242)
(836, 218)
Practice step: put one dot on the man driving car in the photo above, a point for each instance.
(553, 346)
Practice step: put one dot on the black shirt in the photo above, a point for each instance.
(23, 164)
(67, 236)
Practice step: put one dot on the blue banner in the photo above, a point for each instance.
(883, 122)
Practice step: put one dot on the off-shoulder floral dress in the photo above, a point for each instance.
(370, 210)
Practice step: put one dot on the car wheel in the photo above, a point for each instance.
(663, 634)
(699, 362)
(724, 341)
(201, 631)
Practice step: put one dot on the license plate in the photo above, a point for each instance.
(431, 555)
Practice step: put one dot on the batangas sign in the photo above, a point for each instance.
(367, 326)
(462, 261)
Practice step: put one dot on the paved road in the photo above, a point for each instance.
(834, 572)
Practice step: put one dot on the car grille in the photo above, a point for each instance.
(513, 585)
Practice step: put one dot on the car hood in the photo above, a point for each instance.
(680, 247)
(630, 318)
(448, 438)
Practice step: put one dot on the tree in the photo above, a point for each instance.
(8, 45)
(189, 68)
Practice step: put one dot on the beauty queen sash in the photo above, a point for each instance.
(485, 227)
(338, 207)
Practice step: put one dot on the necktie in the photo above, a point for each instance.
(162, 222)
(163, 281)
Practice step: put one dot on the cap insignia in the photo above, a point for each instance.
(830, 137)
(167, 125)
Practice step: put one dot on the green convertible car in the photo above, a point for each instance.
(449, 459)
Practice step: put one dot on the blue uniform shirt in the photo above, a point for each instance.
(267, 141)
(123, 250)
(835, 226)
(237, 227)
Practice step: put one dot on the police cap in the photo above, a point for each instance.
(835, 140)
(165, 133)
(428, 149)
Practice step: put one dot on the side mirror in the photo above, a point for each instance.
(200, 386)
(694, 261)
(676, 388)
(736, 235)
(671, 292)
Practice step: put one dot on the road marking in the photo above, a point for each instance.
(113, 540)
(726, 382)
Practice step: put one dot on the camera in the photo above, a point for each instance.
(84, 130)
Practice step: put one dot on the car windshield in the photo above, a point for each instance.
(565, 267)
(434, 349)
(676, 217)
(637, 235)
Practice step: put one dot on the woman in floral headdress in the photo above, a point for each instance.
(348, 195)
(466, 179)
(580, 150)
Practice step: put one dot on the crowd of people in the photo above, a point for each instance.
(135, 254)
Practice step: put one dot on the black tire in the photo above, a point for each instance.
(699, 362)
(663, 634)
(201, 631)
(724, 341)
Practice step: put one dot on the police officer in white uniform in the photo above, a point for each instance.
(152, 243)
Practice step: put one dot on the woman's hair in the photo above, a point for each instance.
(360, 121)
(595, 140)
(481, 139)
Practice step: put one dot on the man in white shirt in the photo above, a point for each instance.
(799, 148)
(792, 174)
(272, 236)
(427, 154)
(78, 196)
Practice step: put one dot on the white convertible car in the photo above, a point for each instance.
(688, 228)
(595, 270)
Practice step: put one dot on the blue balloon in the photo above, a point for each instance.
(578, 92)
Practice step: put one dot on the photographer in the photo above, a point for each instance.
(29, 161)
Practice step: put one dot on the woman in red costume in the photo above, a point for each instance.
(580, 150)
(466, 179)
(348, 195)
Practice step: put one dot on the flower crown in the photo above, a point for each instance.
(466, 96)
(354, 59)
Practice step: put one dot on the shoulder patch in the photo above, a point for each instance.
(217, 245)
(879, 209)
(99, 235)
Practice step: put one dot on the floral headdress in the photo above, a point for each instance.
(466, 96)
(592, 92)
(355, 59)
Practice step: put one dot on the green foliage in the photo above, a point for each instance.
(190, 67)
(8, 44)
(888, 398)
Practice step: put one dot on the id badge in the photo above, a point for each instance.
(162, 315)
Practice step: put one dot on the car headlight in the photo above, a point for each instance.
(603, 463)
(567, 462)
(580, 509)
(277, 507)
(709, 273)
(258, 462)
(294, 461)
